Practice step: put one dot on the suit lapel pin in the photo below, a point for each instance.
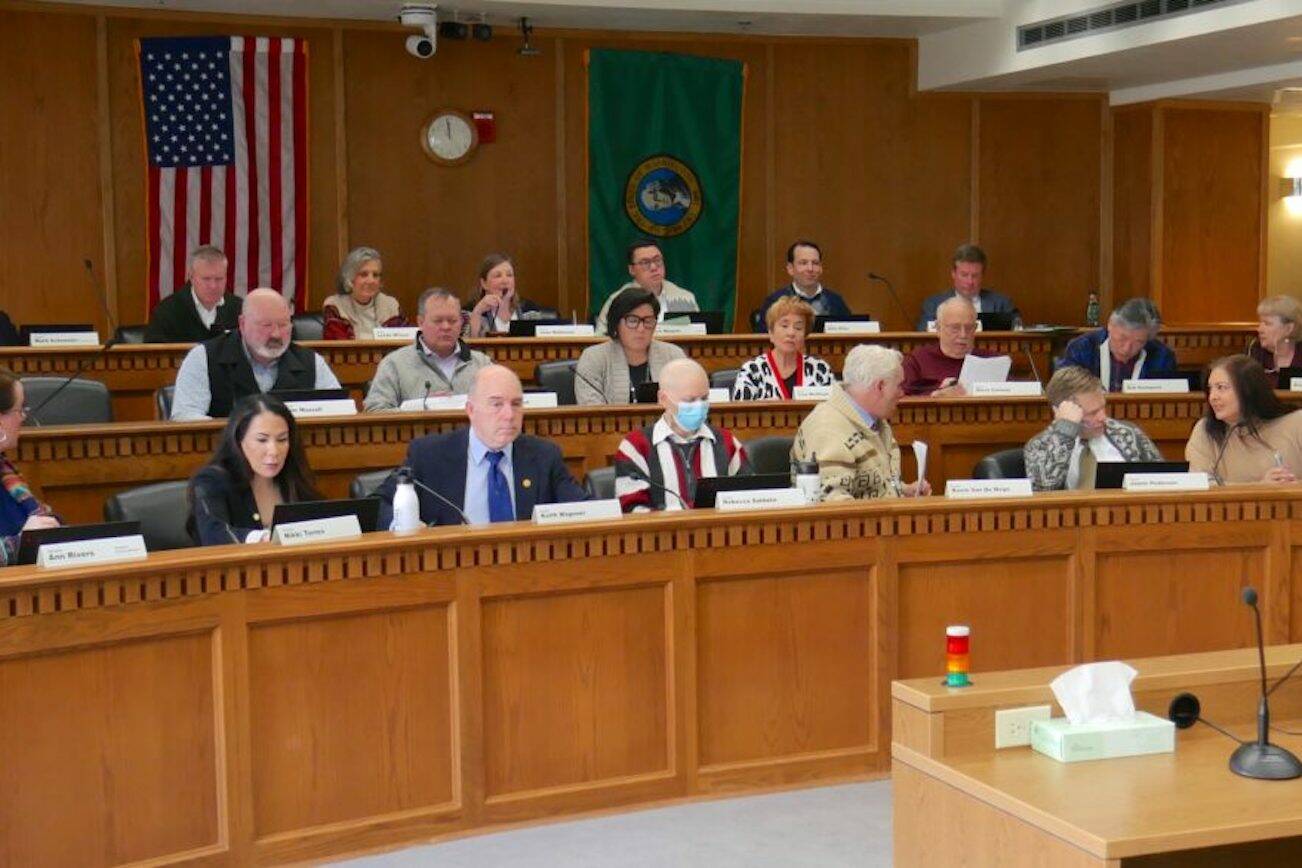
(526, 483)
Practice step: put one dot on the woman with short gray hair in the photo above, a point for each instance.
(360, 305)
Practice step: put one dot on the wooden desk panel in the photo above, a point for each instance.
(264, 704)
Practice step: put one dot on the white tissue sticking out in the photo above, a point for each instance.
(1096, 692)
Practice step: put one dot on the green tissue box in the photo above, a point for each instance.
(1069, 743)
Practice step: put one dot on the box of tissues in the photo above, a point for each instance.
(1101, 720)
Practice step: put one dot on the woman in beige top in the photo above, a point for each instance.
(354, 312)
(1247, 433)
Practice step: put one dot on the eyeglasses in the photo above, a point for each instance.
(23, 412)
(653, 262)
(633, 321)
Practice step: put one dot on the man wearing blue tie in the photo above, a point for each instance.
(489, 471)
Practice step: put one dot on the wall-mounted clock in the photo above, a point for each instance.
(449, 137)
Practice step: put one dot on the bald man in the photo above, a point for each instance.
(258, 357)
(678, 450)
(933, 369)
(488, 471)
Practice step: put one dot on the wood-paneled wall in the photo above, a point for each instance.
(837, 146)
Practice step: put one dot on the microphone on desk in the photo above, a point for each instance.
(207, 511)
(637, 473)
(424, 402)
(890, 287)
(432, 493)
(1260, 759)
(593, 385)
(1035, 372)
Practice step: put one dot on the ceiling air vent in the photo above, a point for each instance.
(1114, 16)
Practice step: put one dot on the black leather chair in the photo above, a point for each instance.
(129, 334)
(557, 377)
(724, 379)
(600, 483)
(308, 327)
(365, 484)
(770, 454)
(1005, 464)
(82, 402)
(163, 397)
(161, 509)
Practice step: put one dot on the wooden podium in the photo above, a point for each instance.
(959, 801)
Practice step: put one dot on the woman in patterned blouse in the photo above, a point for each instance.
(776, 374)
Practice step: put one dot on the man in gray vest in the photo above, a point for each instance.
(258, 357)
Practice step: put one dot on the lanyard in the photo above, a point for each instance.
(1105, 365)
(777, 375)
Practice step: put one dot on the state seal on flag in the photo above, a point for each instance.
(663, 196)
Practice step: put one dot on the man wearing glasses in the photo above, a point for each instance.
(646, 265)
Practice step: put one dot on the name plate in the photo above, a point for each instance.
(538, 400)
(759, 498)
(851, 327)
(583, 510)
(64, 339)
(297, 533)
(960, 489)
(1166, 482)
(1012, 387)
(565, 331)
(433, 402)
(105, 550)
(1155, 387)
(720, 396)
(1295, 384)
(811, 393)
(681, 328)
(396, 333)
(328, 407)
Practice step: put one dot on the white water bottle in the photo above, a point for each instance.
(406, 506)
(807, 480)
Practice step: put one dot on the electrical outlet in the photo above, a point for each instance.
(1013, 725)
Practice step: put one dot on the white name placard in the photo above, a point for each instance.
(681, 328)
(583, 510)
(327, 407)
(64, 339)
(78, 553)
(811, 393)
(538, 400)
(1166, 482)
(396, 333)
(433, 402)
(565, 331)
(760, 498)
(297, 533)
(1011, 387)
(1155, 387)
(851, 327)
(972, 488)
(720, 396)
(1295, 384)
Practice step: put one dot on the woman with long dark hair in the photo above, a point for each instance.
(20, 509)
(1247, 434)
(258, 464)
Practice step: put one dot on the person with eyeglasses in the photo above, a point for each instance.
(646, 265)
(610, 372)
(20, 510)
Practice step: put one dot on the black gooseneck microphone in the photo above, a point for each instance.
(890, 288)
(424, 402)
(1260, 759)
(112, 341)
(1035, 372)
(636, 473)
(207, 511)
(425, 488)
(594, 386)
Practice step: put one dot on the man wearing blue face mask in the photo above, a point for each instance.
(657, 467)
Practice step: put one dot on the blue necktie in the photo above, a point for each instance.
(499, 492)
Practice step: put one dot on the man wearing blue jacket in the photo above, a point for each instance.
(1126, 349)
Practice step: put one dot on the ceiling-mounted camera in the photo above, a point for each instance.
(423, 17)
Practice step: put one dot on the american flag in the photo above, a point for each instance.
(226, 137)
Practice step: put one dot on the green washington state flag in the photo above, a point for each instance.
(664, 161)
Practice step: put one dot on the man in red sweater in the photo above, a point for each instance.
(933, 369)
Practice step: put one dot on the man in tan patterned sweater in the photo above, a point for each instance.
(848, 435)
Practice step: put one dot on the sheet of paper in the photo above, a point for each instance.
(920, 453)
(978, 370)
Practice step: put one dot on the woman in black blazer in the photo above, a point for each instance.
(258, 463)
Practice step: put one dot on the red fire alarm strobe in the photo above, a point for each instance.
(486, 125)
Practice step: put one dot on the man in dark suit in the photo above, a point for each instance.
(201, 309)
(489, 471)
(965, 274)
(805, 267)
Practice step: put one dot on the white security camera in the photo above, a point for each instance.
(424, 17)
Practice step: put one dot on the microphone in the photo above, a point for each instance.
(1220, 453)
(425, 488)
(424, 402)
(899, 305)
(1260, 759)
(207, 512)
(594, 386)
(637, 473)
(1034, 370)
